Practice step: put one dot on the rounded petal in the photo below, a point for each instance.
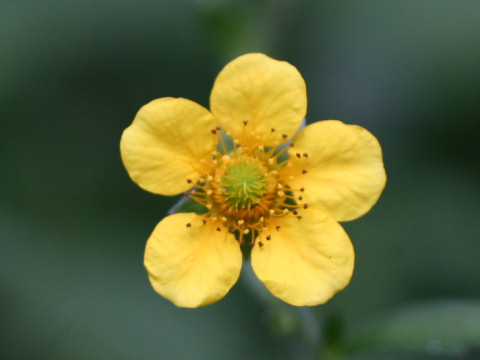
(192, 266)
(266, 93)
(166, 144)
(344, 168)
(306, 261)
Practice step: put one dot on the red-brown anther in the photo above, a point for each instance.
(189, 225)
(305, 206)
(298, 155)
(277, 227)
(305, 155)
(284, 136)
(269, 237)
(299, 217)
(304, 171)
(204, 221)
(260, 244)
(302, 189)
(273, 129)
(218, 228)
(295, 212)
(291, 144)
(214, 132)
(245, 122)
(189, 181)
(300, 198)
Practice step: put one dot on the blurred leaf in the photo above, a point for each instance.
(442, 327)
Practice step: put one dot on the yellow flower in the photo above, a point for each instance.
(286, 208)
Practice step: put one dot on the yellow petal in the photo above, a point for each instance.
(192, 266)
(165, 144)
(266, 93)
(306, 261)
(344, 168)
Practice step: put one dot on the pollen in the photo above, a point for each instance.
(246, 188)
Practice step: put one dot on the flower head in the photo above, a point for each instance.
(279, 192)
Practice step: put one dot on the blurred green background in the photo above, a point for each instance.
(73, 226)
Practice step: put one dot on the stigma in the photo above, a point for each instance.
(246, 186)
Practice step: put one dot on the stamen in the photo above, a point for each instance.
(189, 225)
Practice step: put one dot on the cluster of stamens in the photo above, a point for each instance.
(247, 186)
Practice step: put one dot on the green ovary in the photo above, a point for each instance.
(244, 183)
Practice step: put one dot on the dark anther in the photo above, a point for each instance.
(218, 128)
(284, 136)
(304, 171)
(299, 217)
(269, 237)
(218, 228)
(291, 144)
(298, 155)
(302, 189)
(277, 227)
(260, 244)
(189, 181)
(295, 212)
(188, 224)
(245, 122)
(300, 198)
(204, 221)
(214, 131)
(273, 129)
(305, 155)
(305, 206)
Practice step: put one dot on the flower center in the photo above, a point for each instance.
(243, 184)
(246, 187)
